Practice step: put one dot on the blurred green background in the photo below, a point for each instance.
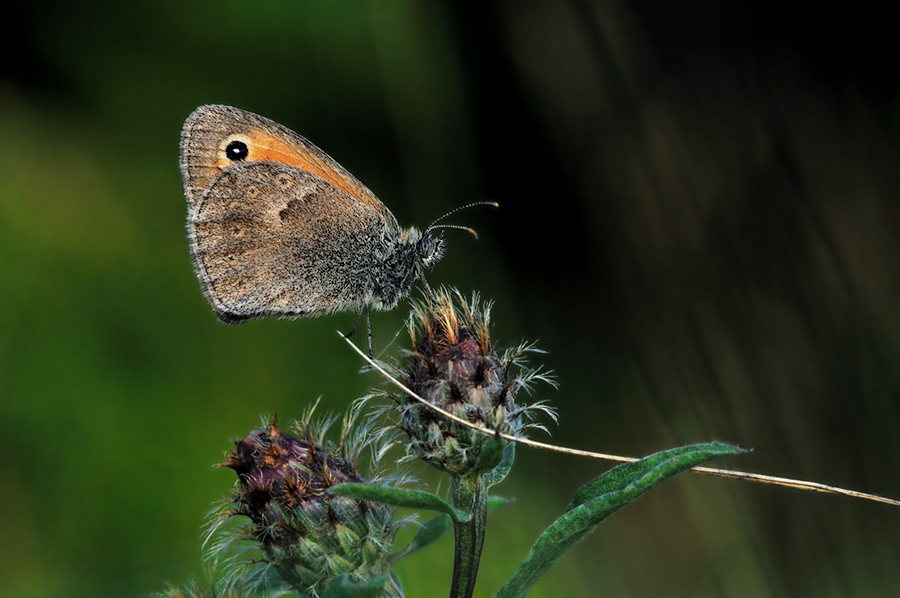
(699, 224)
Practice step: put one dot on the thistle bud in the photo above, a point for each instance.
(453, 366)
(307, 536)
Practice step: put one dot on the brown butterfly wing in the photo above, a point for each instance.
(269, 239)
(285, 231)
(208, 129)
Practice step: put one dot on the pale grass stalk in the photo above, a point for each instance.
(725, 473)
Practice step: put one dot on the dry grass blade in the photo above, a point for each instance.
(725, 473)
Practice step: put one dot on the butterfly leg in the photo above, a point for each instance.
(427, 288)
(365, 308)
(356, 322)
(369, 330)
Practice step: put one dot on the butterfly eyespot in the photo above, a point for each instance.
(237, 151)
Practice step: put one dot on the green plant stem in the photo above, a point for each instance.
(469, 494)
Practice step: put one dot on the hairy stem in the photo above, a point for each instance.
(469, 494)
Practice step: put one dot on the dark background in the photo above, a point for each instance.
(698, 223)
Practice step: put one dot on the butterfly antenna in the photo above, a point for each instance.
(455, 210)
(456, 226)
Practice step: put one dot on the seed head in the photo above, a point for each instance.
(453, 365)
(306, 536)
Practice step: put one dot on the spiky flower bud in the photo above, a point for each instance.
(453, 365)
(307, 536)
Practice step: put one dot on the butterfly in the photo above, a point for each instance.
(279, 228)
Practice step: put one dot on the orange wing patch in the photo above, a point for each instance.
(265, 148)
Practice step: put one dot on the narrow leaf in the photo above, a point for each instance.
(437, 527)
(399, 497)
(620, 476)
(433, 530)
(599, 499)
(495, 502)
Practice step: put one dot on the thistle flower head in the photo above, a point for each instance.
(306, 536)
(454, 366)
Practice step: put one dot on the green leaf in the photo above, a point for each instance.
(437, 527)
(600, 498)
(495, 502)
(342, 587)
(433, 530)
(399, 497)
(499, 473)
(622, 475)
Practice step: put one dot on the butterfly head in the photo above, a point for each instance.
(430, 250)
